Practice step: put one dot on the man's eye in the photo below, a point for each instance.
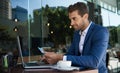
(73, 18)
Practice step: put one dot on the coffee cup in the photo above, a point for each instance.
(63, 64)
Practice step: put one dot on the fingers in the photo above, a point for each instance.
(49, 54)
(50, 57)
(47, 60)
(43, 59)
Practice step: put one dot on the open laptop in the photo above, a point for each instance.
(31, 64)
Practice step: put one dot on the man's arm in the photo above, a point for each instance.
(94, 50)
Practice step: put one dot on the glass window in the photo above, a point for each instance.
(50, 27)
(45, 23)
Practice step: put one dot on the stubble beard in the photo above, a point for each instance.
(82, 27)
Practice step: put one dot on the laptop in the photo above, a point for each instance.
(30, 65)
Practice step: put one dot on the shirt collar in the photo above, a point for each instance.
(86, 30)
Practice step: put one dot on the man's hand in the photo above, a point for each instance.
(52, 57)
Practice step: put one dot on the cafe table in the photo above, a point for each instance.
(20, 69)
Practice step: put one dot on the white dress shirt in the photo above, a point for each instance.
(82, 38)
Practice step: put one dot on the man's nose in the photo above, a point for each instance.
(71, 23)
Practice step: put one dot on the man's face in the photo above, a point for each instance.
(77, 22)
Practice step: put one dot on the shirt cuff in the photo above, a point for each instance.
(64, 58)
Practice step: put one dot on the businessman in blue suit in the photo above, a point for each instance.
(90, 42)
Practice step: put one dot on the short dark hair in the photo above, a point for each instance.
(80, 6)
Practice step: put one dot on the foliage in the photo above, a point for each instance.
(113, 36)
(6, 41)
(59, 23)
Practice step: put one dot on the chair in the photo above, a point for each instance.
(107, 63)
(118, 56)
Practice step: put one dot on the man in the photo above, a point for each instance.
(90, 41)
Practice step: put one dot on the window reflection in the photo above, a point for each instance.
(13, 22)
(45, 23)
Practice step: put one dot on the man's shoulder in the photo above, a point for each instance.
(76, 31)
(98, 27)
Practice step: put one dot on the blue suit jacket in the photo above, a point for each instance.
(94, 49)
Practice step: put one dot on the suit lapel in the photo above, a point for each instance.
(77, 43)
(88, 33)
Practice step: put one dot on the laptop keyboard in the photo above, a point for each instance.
(36, 64)
(32, 64)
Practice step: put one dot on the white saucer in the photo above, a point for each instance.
(66, 69)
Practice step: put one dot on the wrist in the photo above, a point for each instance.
(60, 57)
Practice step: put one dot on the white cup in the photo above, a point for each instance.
(63, 64)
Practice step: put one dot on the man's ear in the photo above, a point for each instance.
(85, 16)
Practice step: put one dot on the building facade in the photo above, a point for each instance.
(20, 13)
(5, 9)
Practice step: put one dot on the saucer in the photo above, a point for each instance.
(66, 68)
